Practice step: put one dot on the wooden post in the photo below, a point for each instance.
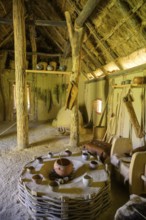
(3, 59)
(20, 66)
(32, 32)
(75, 37)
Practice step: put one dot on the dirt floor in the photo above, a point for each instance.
(42, 138)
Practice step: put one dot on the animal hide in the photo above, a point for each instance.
(134, 209)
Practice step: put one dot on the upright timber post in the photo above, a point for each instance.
(75, 37)
(20, 75)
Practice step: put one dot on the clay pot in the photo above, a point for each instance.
(63, 167)
(49, 67)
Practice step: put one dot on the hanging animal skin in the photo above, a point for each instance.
(49, 100)
(55, 95)
(62, 94)
(134, 121)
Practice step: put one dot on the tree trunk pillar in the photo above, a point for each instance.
(20, 75)
(75, 36)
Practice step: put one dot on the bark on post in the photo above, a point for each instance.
(20, 66)
(75, 36)
(2, 87)
(32, 33)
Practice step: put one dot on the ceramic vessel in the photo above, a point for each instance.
(93, 164)
(50, 154)
(68, 153)
(49, 67)
(63, 167)
(87, 180)
(85, 156)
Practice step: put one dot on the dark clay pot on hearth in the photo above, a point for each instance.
(63, 167)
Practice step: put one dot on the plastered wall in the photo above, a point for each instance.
(121, 123)
(47, 95)
(117, 118)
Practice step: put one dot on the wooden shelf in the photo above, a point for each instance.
(129, 85)
(49, 72)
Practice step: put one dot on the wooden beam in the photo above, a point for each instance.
(61, 42)
(49, 72)
(132, 70)
(47, 23)
(75, 37)
(110, 55)
(2, 5)
(86, 12)
(6, 39)
(37, 53)
(32, 33)
(6, 21)
(20, 66)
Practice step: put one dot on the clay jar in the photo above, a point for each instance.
(63, 167)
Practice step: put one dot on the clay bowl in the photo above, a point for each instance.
(63, 167)
(85, 156)
(68, 153)
(93, 164)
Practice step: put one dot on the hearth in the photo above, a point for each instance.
(81, 191)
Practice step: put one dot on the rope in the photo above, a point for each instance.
(8, 128)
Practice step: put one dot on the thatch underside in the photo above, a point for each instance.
(114, 30)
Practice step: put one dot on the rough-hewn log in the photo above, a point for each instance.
(86, 12)
(49, 23)
(46, 23)
(76, 37)
(6, 21)
(3, 59)
(6, 39)
(49, 72)
(20, 66)
(103, 45)
(61, 41)
(134, 121)
(37, 53)
(32, 34)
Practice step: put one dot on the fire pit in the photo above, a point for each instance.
(75, 191)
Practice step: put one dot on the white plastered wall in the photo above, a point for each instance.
(122, 125)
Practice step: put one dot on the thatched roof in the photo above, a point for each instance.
(116, 29)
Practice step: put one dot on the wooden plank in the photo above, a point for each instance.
(46, 23)
(129, 85)
(37, 53)
(20, 66)
(48, 72)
